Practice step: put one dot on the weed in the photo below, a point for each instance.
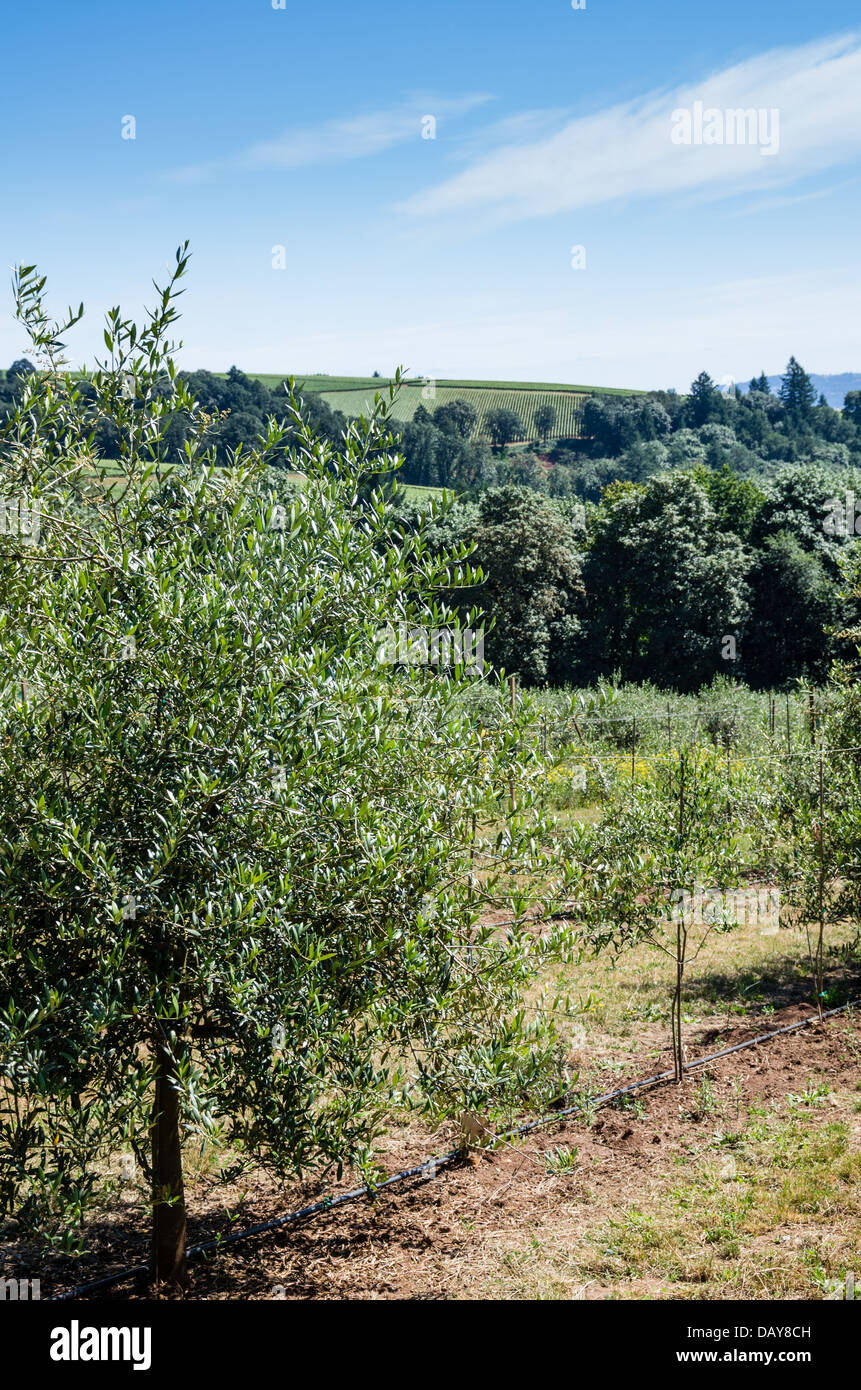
(561, 1160)
(630, 1105)
(814, 1093)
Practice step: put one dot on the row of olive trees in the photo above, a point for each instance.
(710, 845)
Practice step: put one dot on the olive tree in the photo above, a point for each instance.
(656, 869)
(234, 898)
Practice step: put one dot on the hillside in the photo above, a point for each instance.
(568, 404)
(355, 395)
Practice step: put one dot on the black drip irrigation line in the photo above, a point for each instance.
(670, 1075)
(446, 1160)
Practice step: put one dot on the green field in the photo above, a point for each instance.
(317, 384)
(321, 383)
(354, 396)
(416, 492)
(552, 386)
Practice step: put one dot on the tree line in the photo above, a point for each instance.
(623, 438)
(681, 537)
(241, 407)
(688, 575)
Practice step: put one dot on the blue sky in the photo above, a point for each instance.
(301, 128)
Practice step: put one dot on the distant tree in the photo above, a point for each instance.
(761, 384)
(589, 477)
(457, 417)
(737, 501)
(644, 458)
(834, 426)
(706, 401)
(797, 393)
(525, 469)
(792, 602)
(418, 446)
(503, 426)
(20, 367)
(672, 404)
(533, 583)
(799, 499)
(665, 584)
(561, 481)
(545, 421)
(613, 424)
(852, 407)
(240, 427)
(653, 422)
(448, 451)
(476, 466)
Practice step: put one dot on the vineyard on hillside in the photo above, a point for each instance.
(567, 404)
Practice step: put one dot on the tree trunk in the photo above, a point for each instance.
(168, 1195)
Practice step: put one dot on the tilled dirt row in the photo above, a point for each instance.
(460, 1234)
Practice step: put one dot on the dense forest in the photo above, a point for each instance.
(680, 538)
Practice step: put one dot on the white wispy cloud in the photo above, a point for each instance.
(787, 200)
(626, 151)
(343, 138)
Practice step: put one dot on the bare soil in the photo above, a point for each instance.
(576, 1210)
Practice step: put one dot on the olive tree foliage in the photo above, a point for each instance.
(235, 848)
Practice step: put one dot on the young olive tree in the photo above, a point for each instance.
(234, 845)
(657, 868)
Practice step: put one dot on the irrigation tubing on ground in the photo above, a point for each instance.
(330, 1203)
